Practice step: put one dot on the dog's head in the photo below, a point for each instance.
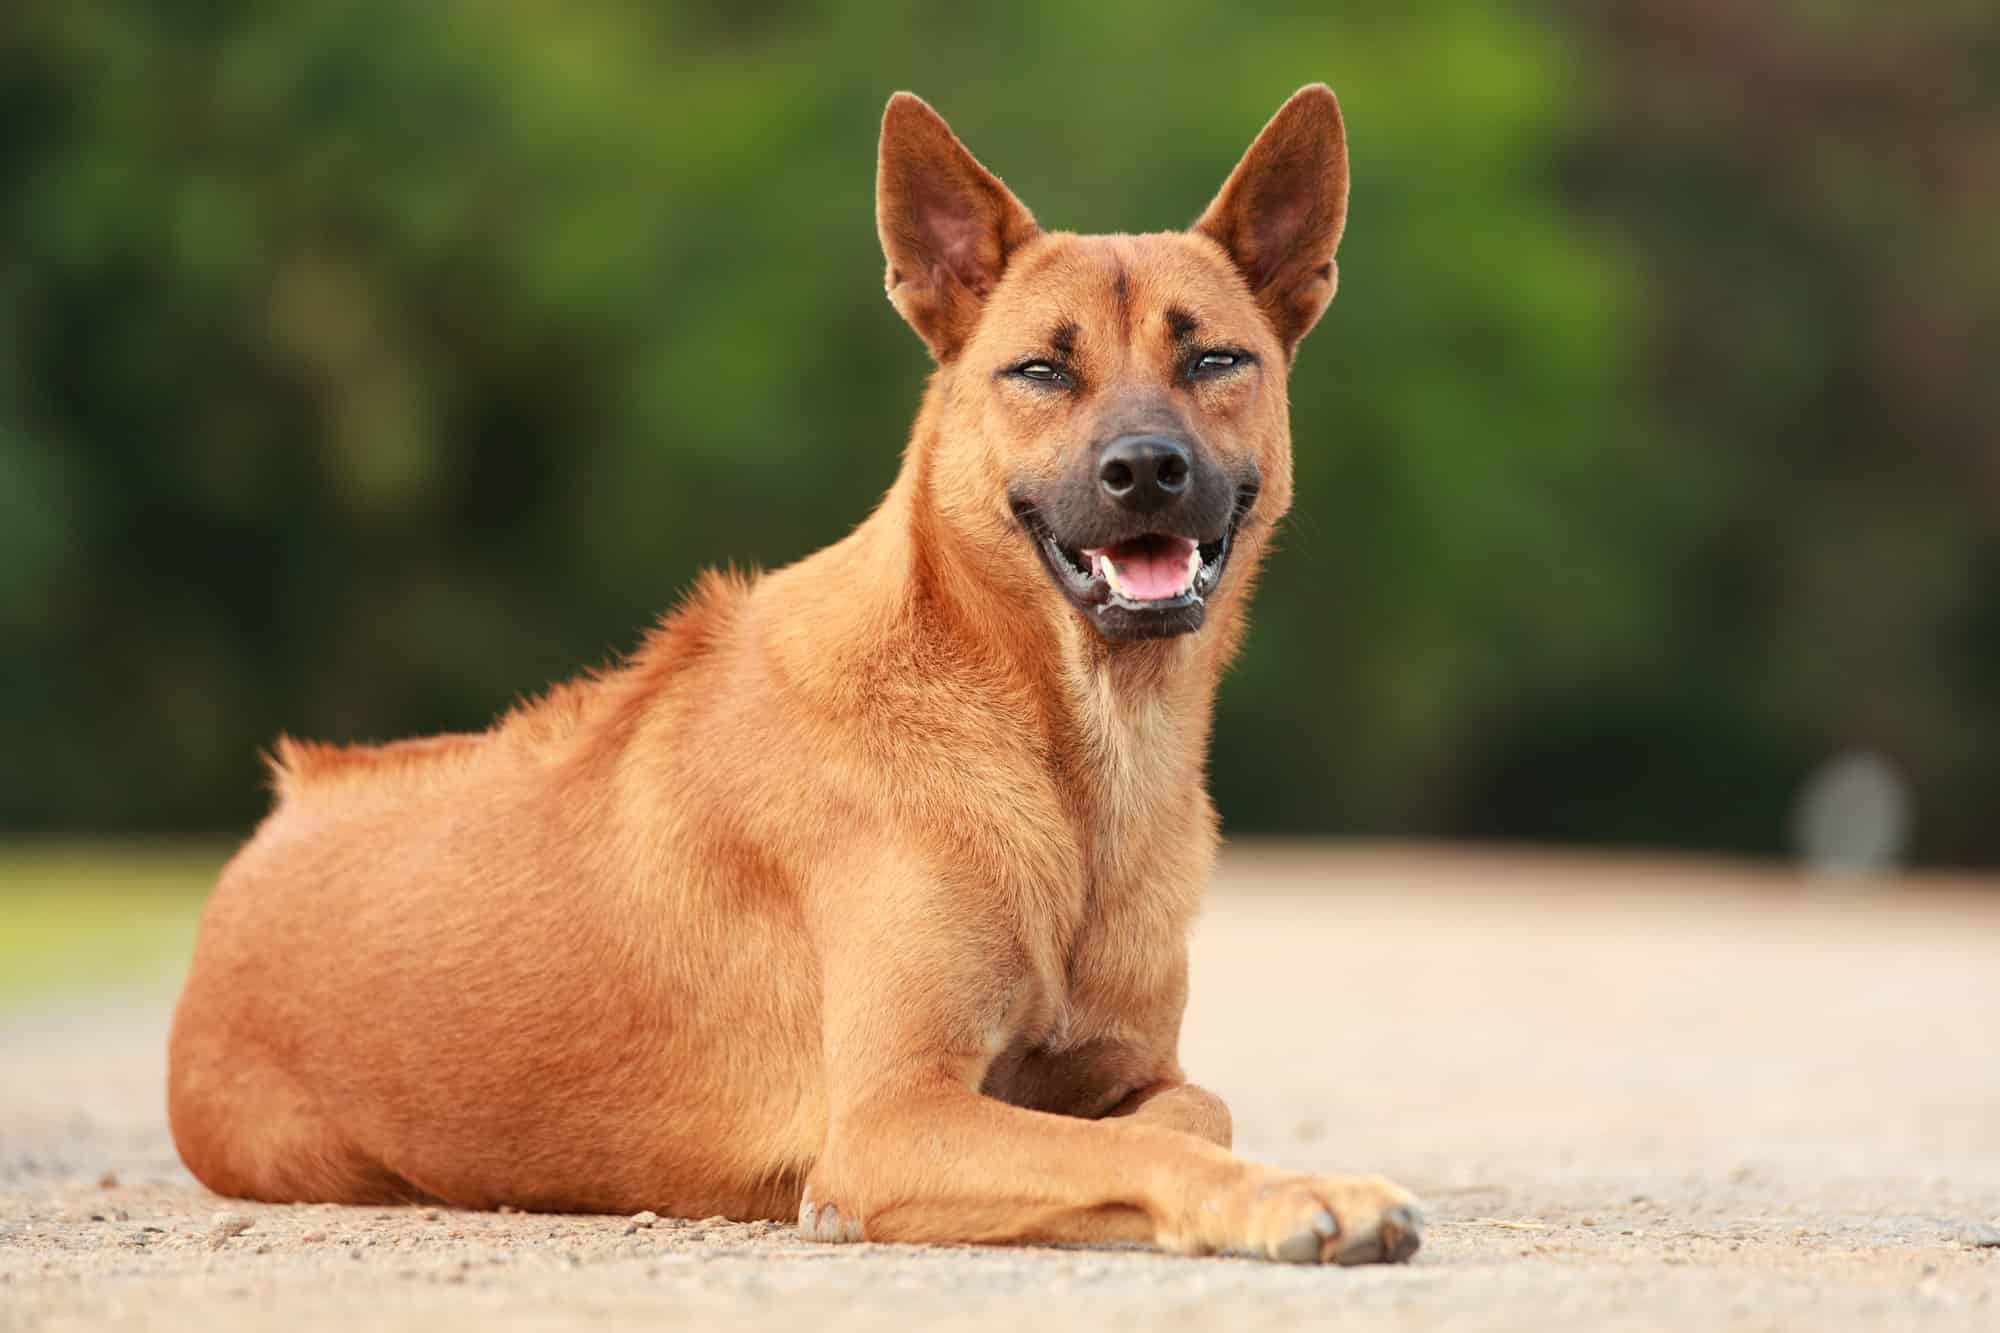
(1108, 424)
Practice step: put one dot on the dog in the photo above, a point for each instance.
(859, 893)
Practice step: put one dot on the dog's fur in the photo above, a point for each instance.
(860, 892)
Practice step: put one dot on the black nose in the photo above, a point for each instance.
(1145, 473)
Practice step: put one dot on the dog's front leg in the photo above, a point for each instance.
(931, 1160)
(914, 1013)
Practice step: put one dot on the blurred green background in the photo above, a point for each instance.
(364, 366)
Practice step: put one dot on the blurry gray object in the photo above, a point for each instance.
(1852, 816)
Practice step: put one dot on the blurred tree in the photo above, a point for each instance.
(365, 365)
(1810, 187)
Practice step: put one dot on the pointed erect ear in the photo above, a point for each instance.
(947, 224)
(1280, 213)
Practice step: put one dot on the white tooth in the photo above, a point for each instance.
(1193, 569)
(1111, 575)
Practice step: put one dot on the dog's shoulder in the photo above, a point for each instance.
(596, 703)
(604, 705)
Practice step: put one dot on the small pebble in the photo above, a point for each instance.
(645, 1219)
(432, 1214)
(108, 1181)
(1985, 1238)
(312, 1237)
(224, 1225)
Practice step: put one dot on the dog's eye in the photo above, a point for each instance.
(1039, 371)
(1217, 363)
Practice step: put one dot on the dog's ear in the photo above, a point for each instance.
(947, 224)
(1280, 213)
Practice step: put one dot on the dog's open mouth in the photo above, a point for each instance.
(1143, 573)
(1151, 586)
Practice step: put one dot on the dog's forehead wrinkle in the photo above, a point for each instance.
(1127, 299)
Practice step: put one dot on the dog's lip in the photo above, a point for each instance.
(1076, 571)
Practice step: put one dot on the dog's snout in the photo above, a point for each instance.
(1145, 473)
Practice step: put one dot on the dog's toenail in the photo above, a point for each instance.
(1402, 1232)
(1326, 1224)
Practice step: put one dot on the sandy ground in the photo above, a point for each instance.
(1633, 1095)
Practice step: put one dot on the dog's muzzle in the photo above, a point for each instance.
(1139, 538)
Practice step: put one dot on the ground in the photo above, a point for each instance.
(1665, 1095)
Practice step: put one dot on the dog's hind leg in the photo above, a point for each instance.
(247, 1129)
(1182, 1106)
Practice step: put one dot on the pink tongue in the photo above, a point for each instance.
(1152, 567)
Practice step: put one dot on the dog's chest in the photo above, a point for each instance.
(1099, 1012)
(1105, 1021)
(1147, 833)
(1103, 1015)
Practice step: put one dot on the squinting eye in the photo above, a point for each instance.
(1039, 370)
(1221, 363)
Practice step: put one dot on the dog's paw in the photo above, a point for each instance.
(1327, 1219)
(823, 1222)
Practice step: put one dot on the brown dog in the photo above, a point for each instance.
(860, 893)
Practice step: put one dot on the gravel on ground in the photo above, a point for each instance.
(1633, 1094)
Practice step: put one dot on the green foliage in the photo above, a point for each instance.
(101, 913)
(365, 365)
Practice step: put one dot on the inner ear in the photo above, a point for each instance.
(1280, 214)
(948, 226)
(962, 242)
